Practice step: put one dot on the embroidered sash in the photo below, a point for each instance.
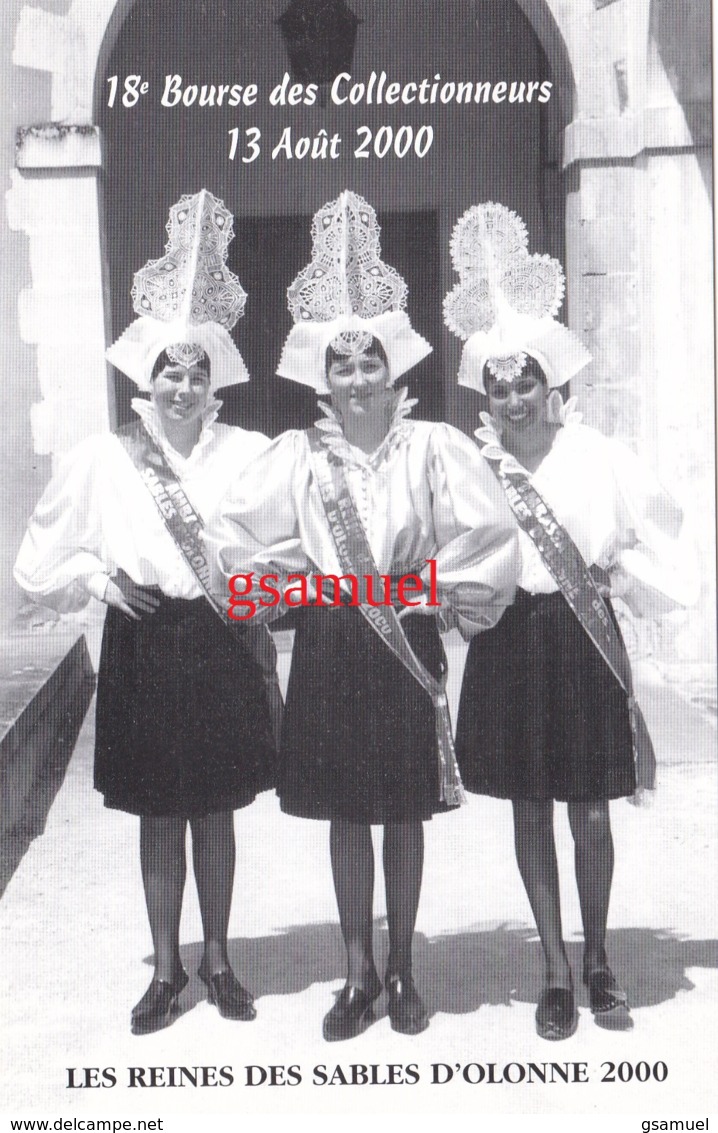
(355, 558)
(185, 524)
(566, 564)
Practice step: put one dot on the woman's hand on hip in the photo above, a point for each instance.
(602, 581)
(131, 598)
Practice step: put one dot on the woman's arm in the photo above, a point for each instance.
(255, 530)
(62, 550)
(477, 559)
(654, 567)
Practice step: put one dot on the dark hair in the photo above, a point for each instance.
(531, 368)
(375, 350)
(163, 360)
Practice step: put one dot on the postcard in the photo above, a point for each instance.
(396, 317)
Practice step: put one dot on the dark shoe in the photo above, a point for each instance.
(225, 992)
(154, 1011)
(407, 1012)
(352, 1013)
(609, 1002)
(556, 1014)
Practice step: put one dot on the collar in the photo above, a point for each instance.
(150, 418)
(490, 436)
(333, 438)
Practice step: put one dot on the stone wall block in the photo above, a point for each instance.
(607, 192)
(62, 313)
(605, 249)
(39, 40)
(16, 202)
(611, 309)
(46, 41)
(609, 389)
(60, 147)
(55, 257)
(59, 314)
(597, 40)
(72, 371)
(59, 424)
(41, 206)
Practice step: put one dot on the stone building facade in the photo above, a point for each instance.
(625, 196)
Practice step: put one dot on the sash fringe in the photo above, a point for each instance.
(451, 789)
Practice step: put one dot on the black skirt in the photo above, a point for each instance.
(182, 721)
(541, 714)
(359, 732)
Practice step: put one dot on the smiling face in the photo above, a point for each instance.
(180, 392)
(359, 383)
(520, 405)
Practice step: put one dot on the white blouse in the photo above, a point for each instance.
(618, 515)
(96, 516)
(424, 493)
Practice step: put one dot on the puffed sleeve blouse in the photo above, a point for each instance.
(423, 494)
(96, 516)
(618, 515)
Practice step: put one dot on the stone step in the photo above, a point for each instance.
(46, 685)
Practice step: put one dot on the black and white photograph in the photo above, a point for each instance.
(357, 574)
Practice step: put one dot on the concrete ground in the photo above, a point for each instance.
(77, 956)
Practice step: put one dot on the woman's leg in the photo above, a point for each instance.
(162, 857)
(591, 829)
(213, 857)
(352, 855)
(403, 868)
(353, 870)
(536, 857)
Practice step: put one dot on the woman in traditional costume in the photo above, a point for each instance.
(183, 731)
(547, 710)
(368, 491)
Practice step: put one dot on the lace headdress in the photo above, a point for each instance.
(345, 297)
(188, 300)
(505, 302)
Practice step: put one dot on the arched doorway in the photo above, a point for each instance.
(500, 150)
